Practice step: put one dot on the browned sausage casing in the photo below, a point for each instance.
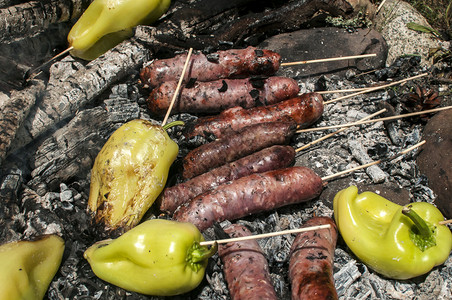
(251, 194)
(303, 110)
(311, 262)
(245, 267)
(215, 96)
(236, 145)
(272, 158)
(234, 63)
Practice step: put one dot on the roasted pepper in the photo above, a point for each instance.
(130, 172)
(158, 257)
(399, 242)
(27, 267)
(106, 23)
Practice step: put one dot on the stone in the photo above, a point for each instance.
(317, 43)
(435, 159)
(391, 21)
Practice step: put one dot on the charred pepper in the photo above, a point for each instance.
(399, 242)
(130, 172)
(106, 23)
(158, 257)
(27, 267)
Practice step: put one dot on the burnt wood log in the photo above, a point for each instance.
(195, 24)
(14, 112)
(69, 153)
(62, 101)
(10, 184)
(27, 19)
(199, 26)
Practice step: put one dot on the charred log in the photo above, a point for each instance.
(14, 112)
(81, 88)
(36, 16)
(199, 26)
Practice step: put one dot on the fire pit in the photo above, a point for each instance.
(56, 123)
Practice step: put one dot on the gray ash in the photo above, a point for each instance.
(36, 206)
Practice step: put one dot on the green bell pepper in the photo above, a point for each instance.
(130, 172)
(158, 257)
(106, 23)
(28, 267)
(399, 242)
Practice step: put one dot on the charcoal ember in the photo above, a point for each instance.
(360, 153)
(435, 159)
(346, 276)
(14, 112)
(402, 66)
(40, 215)
(10, 184)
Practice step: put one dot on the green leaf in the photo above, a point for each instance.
(422, 28)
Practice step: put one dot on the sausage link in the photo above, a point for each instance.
(245, 267)
(311, 262)
(215, 96)
(233, 63)
(251, 194)
(272, 158)
(236, 145)
(303, 110)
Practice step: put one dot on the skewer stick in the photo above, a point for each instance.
(445, 222)
(176, 92)
(264, 235)
(329, 177)
(326, 178)
(303, 62)
(35, 72)
(376, 120)
(376, 88)
(338, 131)
(342, 91)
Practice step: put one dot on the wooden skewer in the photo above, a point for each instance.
(326, 178)
(380, 6)
(445, 222)
(176, 92)
(342, 91)
(338, 131)
(376, 88)
(264, 235)
(35, 72)
(303, 62)
(377, 120)
(329, 177)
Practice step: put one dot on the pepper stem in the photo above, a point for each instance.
(199, 254)
(423, 236)
(172, 124)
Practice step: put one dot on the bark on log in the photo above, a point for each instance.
(27, 19)
(70, 152)
(14, 113)
(199, 26)
(62, 102)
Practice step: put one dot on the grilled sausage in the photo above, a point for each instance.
(215, 96)
(311, 262)
(235, 63)
(303, 110)
(251, 194)
(236, 145)
(272, 158)
(245, 267)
